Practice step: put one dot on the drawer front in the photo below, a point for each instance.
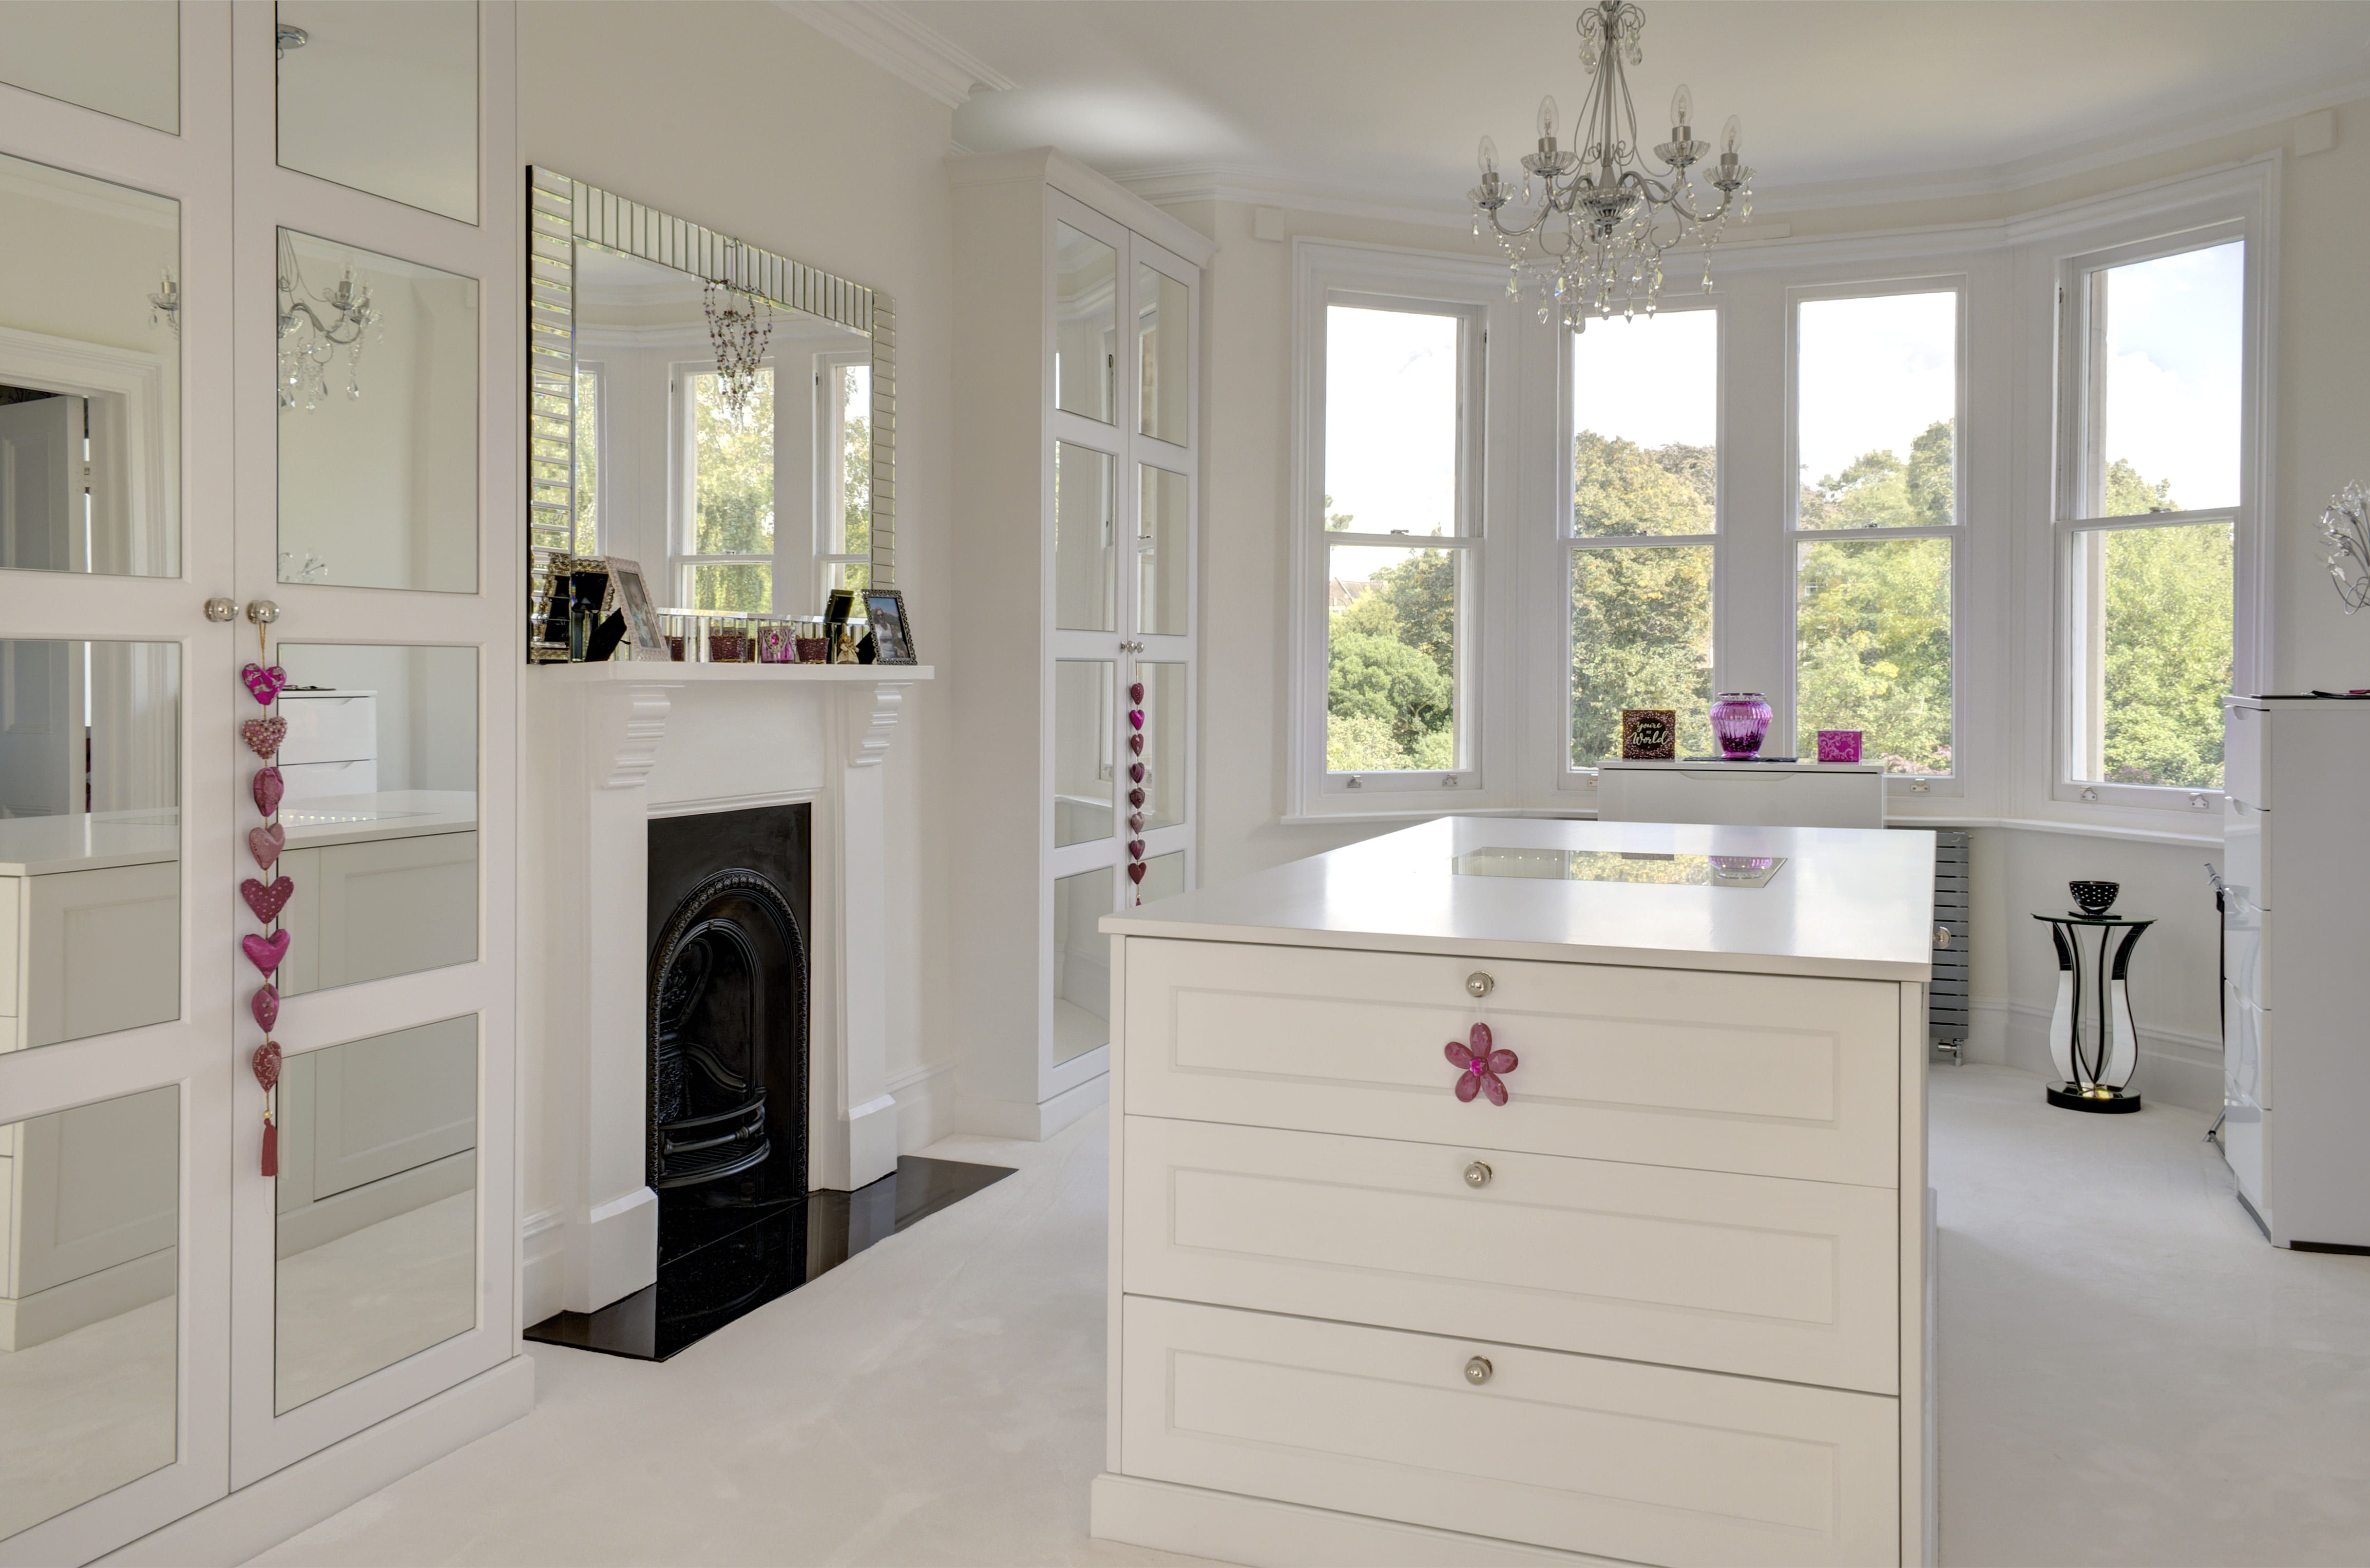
(1797, 1280)
(328, 728)
(1758, 1074)
(2245, 859)
(2247, 755)
(1649, 1464)
(1750, 796)
(326, 781)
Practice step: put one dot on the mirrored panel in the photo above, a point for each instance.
(1165, 718)
(383, 99)
(1164, 877)
(90, 836)
(1162, 533)
(1164, 373)
(722, 491)
(89, 1273)
(90, 375)
(380, 767)
(377, 1236)
(119, 57)
(1085, 324)
(378, 420)
(1081, 963)
(1084, 587)
(1083, 750)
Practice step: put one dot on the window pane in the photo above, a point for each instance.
(1081, 963)
(1872, 649)
(1160, 555)
(1084, 750)
(853, 532)
(587, 529)
(1160, 311)
(1085, 583)
(731, 585)
(1641, 638)
(1876, 397)
(1163, 750)
(2164, 417)
(733, 505)
(2157, 661)
(1086, 322)
(1645, 402)
(1390, 421)
(1391, 659)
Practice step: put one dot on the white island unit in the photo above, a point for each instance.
(1668, 1304)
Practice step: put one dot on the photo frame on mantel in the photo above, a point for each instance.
(562, 211)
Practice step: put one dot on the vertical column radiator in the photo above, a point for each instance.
(1946, 995)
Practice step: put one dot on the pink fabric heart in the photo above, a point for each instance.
(268, 787)
(1135, 848)
(1135, 744)
(263, 685)
(1136, 718)
(1134, 774)
(265, 952)
(266, 902)
(266, 1063)
(1478, 1067)
(1135, 872)
(1135, 821)
(265, 1006)
(265, 844)
(1135, 692)
(263, 735)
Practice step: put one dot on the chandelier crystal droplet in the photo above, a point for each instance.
(312, 327)
(1591, 224)
(741, 326)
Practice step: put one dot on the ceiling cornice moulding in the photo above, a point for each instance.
(901, 45)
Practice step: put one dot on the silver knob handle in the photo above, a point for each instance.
(219, 609)
(262, 612)
(1478, 1370)
(1478, 985)
(1941, 936)
(1477, 1174)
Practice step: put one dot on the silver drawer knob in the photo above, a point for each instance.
(1941, 936)
(1478, 1370)
(1478, 985)
(1477, 1174)
(220, 609)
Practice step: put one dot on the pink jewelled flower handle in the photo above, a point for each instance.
(1479, 1069)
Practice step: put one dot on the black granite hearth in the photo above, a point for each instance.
(723, 1265)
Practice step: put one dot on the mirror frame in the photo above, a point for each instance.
(561, 210)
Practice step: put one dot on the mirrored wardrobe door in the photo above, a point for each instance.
(115, 770)
(377, 487)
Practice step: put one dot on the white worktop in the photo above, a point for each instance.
(87, 841)
(380, 815)
(1848, 902)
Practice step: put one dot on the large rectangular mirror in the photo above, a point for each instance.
(721, 415)
(90, 839)
(90, 375)
(383, 97)
(380, 765)
(119, 57)
(378, 420)
(377, 1233)
(89, 1280)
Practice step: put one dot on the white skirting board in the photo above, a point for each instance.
(2176, 1068)
(1018, 1119)
(257, 1517)
(1197, 1522)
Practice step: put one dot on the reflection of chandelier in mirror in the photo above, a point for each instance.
(739, 323)
(310, 337)
(165, 304)
(2346, 527)
(1604, 219)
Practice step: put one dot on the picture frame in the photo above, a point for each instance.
(632, 597)
(892, 639)
(1650, 734)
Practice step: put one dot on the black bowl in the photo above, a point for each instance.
(2095, 897)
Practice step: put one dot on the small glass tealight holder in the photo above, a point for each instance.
(778, 641)
(812, 646)
(728, 638)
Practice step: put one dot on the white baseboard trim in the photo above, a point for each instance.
(542, 1265)
(1226, 1527)
(925, 1110)
(257, 1518)
(2177, 1065)
(1035, 1122)
(611, 1251)
(72, 1304)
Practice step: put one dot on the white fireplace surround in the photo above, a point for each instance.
(607, 747)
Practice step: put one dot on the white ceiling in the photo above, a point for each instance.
(1383, 100)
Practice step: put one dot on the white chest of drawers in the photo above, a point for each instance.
(1668, 1305)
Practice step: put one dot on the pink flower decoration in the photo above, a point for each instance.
(1478, 1067)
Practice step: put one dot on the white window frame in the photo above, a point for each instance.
(1380, 277)
(1794, 535)
(2239, 219)
(683, 485)
(597, 372)
(830, 434)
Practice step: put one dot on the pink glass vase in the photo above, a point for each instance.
(1739, 720)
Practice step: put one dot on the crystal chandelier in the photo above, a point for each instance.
(1595, 242)
(313, 327)
(2345, 525)
(739, 323)
(165, 304)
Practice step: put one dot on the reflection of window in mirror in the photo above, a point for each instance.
(844, 489)
(586, 531)
(724, 493)
(89, 376)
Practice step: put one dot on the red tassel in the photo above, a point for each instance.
(271, 1148)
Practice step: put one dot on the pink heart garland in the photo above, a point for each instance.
(265, 952)
(265, 844)
(1136, 718)
(1135, 773)
(1135, 692)
(263, 735)
(263, 685)
(1135, 871)
(266, 902)
(268, 787)
(266, 1063)
(1135, 848)
(1135, 821)
(1135, 744)
(1135, 797)
(265, 1006)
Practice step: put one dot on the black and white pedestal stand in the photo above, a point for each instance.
(2094, 1071)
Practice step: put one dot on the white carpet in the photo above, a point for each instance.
(2130, 1376)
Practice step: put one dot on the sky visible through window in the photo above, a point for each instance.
(1391, 427)
(2173, 343)
(1652, 379)
(1874, 371)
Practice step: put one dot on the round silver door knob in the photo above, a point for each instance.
(220, 609)
(1479, 984)
(1941, 936)
(262, 612)
(1478, 1370)
(1477, 1174)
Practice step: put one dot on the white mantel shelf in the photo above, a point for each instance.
(654, 671)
